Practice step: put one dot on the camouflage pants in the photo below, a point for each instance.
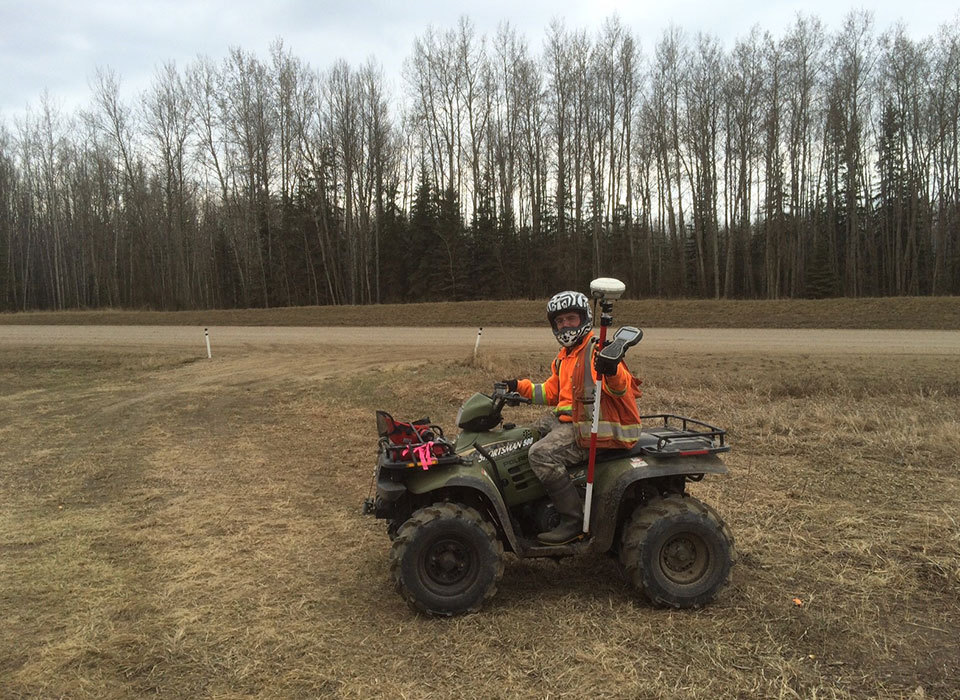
(554, 452)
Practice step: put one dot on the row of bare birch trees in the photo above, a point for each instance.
(817, 163)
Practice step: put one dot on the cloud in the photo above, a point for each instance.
(58, 44)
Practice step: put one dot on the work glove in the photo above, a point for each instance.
(605, 366)
(511, 384)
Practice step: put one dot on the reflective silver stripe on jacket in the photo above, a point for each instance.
(539, 396)
(607, 430)
(589, 388)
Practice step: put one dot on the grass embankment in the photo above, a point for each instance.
(888, 312)
(192, 529)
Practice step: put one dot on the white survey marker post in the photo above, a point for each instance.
(206, 336)
(476, 345)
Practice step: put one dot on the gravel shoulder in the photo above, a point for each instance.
(410, 342)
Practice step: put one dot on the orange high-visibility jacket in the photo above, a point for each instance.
(570, 392)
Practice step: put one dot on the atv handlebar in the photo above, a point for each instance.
(509, 398)
(515, 399)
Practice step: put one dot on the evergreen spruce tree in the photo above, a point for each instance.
(449, 249)
(821, 281)
(421, 258)
(228, 280)
(395, 254)
(482, 264)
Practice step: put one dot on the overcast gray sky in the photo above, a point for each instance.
(58, 44)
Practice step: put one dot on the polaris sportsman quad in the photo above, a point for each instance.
(453, 509)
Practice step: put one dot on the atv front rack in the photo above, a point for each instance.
(680, 436)
(409, 444)
(389, 458)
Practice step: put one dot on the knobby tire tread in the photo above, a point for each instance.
(423, 517)
(635, 533)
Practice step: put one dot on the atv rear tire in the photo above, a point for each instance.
(676, 552)
(446, 560)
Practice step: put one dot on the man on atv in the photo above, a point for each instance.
(565, 431)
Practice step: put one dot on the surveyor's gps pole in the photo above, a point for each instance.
(605, 290)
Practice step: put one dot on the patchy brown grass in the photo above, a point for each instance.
(191, 528)
(888, 312)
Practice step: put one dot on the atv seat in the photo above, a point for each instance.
(646, 440)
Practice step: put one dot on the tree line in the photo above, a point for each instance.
(818, 163)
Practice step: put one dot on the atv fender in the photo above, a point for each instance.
(469, 478)
(614, 479)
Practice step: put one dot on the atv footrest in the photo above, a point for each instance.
(535, 548)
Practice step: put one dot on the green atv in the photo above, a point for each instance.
(453, 508)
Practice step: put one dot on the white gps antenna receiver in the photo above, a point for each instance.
(607, 288)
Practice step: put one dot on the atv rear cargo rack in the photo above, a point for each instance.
(680, 436)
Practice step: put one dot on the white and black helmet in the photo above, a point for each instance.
(570, 301)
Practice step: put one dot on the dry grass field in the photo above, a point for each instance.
(188, 527)
(886, 312)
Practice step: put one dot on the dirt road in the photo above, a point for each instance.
(408, 342)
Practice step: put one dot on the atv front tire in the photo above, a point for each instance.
(676, 552)
(446, 560)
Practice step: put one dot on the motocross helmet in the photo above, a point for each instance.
(565, 302)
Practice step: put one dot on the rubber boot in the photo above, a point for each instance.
(566, 500)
